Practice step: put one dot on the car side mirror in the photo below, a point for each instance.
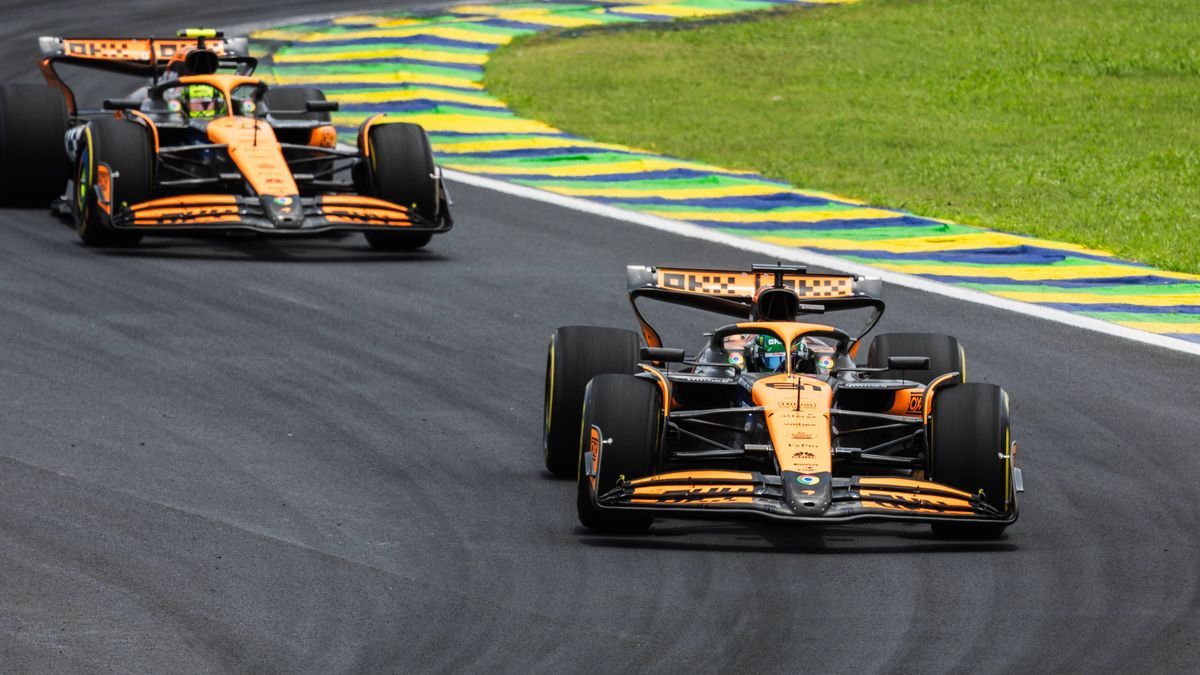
(908, 363)
(662, 354)
(321, 106)
(122, 104)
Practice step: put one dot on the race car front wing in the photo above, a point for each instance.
(797, 497)
(282, 216)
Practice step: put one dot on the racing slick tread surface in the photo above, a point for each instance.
(969, 430)
(33, 157)
(579, 354)
(402, 173)
(125, 147)
(300, 457)
(627, 412)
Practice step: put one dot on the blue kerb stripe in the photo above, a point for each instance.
(405, 86)
(663, 174)
(1123, 307)
(416, 105)
(1010, 255)
(466, 68)
(757, 203)
(431, 40)
(1148, 280)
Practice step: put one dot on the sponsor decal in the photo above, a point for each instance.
(916, 403)
(825, 363)
(736, 359)
(808, 480)
(248, 107)
(283, 201)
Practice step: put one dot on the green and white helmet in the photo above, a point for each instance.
(768, 354)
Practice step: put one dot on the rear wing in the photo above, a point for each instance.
(734, 292)
(148, 57)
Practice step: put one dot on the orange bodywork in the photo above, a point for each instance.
(748, 283)
(662, 385)
(186, 210)
(254, 149)
(323, 137)
(699, 474)
(131, 50)
(135, 49)
(797, 414)
(909, 402)
(104, 188)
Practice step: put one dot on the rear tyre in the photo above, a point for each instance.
(576, 355)
(944, 352)
(295, 98)
(400, 170)
(970, 449)
(34, 165)
(627, 413)
(126, 148)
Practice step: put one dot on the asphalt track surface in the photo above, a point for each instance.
(309, 457)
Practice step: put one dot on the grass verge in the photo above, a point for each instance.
(1074, 120)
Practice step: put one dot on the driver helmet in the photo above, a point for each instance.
(768, 354)
(203, 101)
(804, 359)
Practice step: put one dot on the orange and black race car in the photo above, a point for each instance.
(207, 147)
(773, 417)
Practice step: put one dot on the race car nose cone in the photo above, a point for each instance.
(808, 494)
(284, 211)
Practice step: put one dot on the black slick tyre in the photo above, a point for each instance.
(576, 355)
(970, 449)
(400, 169)
(626, 414)
(294, 99)
(33, 158)
(126, 148)
(944, 352)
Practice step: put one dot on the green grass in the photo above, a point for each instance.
(1076, 120)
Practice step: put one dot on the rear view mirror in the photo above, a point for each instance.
(122, 104)
(662, 354)
(908, 363)
(321, 106)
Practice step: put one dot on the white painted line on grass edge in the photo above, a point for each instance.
(820, 260)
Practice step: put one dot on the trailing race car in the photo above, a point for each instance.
(772, 417)
(207, 147)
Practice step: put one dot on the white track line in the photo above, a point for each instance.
(820, 260)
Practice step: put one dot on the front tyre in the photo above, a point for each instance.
(399, 168)
(126, 148)
(625, 415)
(971, 449)
(576, 355)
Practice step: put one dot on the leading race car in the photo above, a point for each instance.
(207, 147)
(772, 417)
